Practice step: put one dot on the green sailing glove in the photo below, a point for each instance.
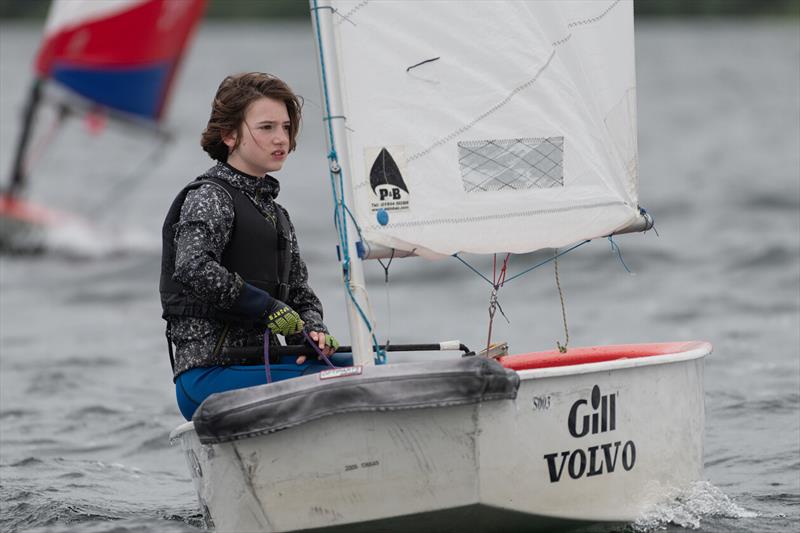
(331, 341)
(283, 320)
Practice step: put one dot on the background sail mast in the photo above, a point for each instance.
(356, 299)
(19, 170)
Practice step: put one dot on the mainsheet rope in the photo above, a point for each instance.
(562, 348)
(308, 339)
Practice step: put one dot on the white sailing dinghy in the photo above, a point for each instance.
(479, 127)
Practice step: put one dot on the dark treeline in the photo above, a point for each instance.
(283, 9)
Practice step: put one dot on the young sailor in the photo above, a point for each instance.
(231, 269)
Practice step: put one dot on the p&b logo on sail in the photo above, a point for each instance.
(389, 189)
(596, 415)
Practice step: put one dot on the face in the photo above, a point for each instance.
(264, 143)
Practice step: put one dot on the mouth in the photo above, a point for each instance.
(279, 154)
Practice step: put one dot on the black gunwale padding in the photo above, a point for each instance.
(254, 411)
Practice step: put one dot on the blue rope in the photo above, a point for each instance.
(323, 70)
(340, 208)
(616, 248)
(474, 270)
(643, 211)
(515, 276)
(547, 260)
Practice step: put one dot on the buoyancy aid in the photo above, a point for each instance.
(258, 250)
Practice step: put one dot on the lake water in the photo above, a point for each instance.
(86, 396)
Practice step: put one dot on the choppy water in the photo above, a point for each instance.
(86, 399)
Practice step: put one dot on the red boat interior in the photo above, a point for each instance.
(594, 354)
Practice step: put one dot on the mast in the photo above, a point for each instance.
(356, 299)
(19, 170)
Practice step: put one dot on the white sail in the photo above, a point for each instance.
(515, 131)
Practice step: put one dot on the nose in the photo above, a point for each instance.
(281, 138)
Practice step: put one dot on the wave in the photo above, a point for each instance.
(16, 413)
(28, 461)
(786, 403)
(88, 362)
(771, 201)
(772, 256)
(168, 524)
(687, 508)
(157, 443)
(94, 411)
(56, 510)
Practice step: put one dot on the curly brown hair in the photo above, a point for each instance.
(233, 97)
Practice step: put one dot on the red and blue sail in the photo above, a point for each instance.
(119, 54)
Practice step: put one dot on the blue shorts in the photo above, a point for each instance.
(197, 384)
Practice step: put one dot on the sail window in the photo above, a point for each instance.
(511, 164)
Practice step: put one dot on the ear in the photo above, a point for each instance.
(230, 139)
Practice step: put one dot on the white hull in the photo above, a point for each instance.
(491, 466)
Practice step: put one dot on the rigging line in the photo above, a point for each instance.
(342, 226)
(386, 266)
(474, 270)
(515, 276)
(343, 206)
(503, 271)
(616, 248)
(643, 212)
(388, 299)
(337, 211)
(323, 70)
(358, 228)
(332, 156)
(499, 283)
(494, 302)
(338, 202)
(491, 320)
(561, 348)
(333, 168)
(112, 197)
(38, 148)
(337, 225)
(380, 353)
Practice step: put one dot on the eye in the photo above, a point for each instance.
(266, 127)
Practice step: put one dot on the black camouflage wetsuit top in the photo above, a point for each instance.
(201, 234)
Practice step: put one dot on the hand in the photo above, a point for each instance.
(283, 320)
(327, 344)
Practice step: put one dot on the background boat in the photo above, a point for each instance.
(113, 61)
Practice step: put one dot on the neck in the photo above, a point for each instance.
(237, 168)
